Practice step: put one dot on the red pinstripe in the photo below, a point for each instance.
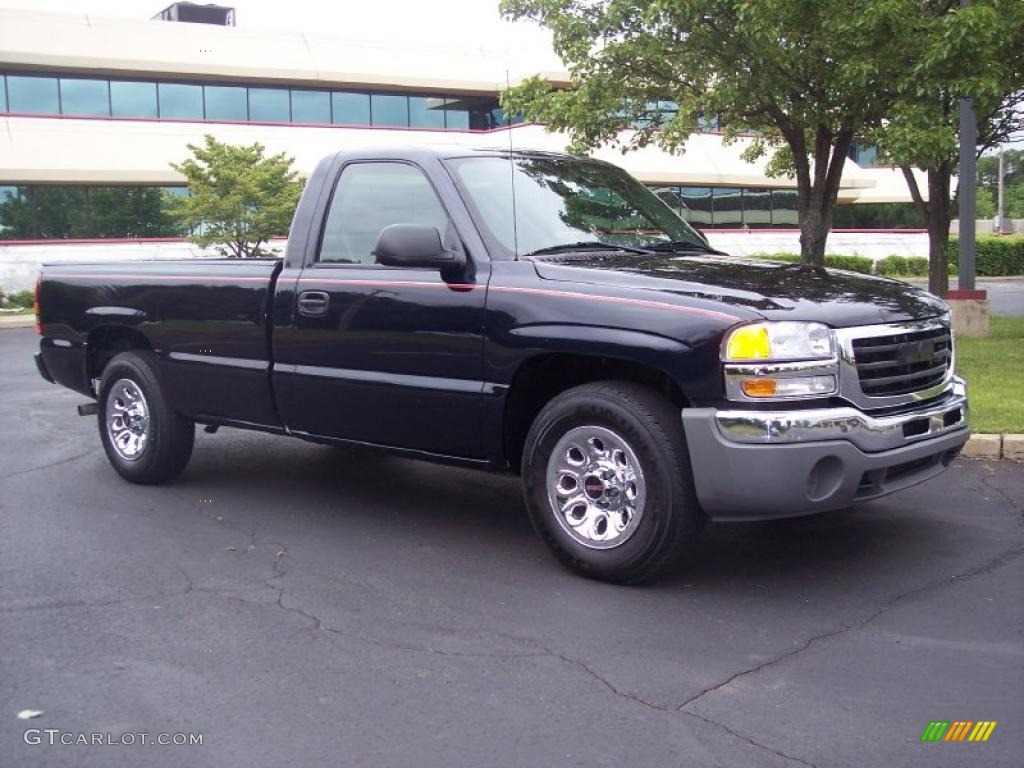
(450, 286)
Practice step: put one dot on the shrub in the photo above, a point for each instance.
(23, 299)
(776, 256)
(994, 255)
(862, 264)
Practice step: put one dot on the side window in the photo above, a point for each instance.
(369, 197)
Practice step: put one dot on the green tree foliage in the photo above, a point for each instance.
(1013, 181)
(41, 212)
(805, 78)
(238, 198)
(951, 52)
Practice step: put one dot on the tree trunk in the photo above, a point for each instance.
(813, 235)
(938, 228)
(817, 190)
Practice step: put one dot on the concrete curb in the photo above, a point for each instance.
(17, 321)
(999, 446)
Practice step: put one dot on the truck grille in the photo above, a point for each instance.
(903, 362)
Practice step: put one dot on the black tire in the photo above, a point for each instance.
(670, 518)
(168, 435)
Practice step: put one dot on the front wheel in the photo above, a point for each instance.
(145, 440)
(608, 484)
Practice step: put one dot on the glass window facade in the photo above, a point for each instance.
(33, 95)
(309, 106)
(864, 155)
(84, 97)
(131, 99)
(41, 211)
(184, 102)
(37, 94)
(758, 208)
(426, 111)
(270, 105)
(350, 108)
(389, 109)
(225, 102)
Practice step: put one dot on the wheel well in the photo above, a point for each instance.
(542, 378)
(105, 342)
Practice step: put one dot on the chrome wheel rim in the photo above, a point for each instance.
(596, 487)
(127, 419)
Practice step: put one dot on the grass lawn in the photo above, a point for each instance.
(994, 369)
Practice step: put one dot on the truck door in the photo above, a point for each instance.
(378, 354)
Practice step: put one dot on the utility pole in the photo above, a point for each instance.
(967, 187)
(999, 208)
(968, 306)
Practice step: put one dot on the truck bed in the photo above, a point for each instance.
(207, 320)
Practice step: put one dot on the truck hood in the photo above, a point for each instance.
(775, 290)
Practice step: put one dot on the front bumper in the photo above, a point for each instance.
(752, 465)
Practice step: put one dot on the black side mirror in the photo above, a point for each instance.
(415, 245)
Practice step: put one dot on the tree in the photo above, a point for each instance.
(238, 198)
(977, 52)
(1013, 181)
(805, 78)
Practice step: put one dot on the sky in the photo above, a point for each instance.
(460, 23)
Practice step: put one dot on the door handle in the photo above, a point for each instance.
(313, 303)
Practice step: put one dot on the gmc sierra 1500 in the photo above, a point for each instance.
(526, 312)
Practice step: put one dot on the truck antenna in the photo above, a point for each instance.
(512, 174)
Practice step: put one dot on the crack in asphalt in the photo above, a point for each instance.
(56, 463)
(749, 740)
(1014, 505)
(986, 567)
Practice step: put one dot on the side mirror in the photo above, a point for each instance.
(415, 245)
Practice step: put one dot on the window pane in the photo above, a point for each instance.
(456, 115)
(784, 208)
(426, 112)
(757, 207)
(369, 197)
(696, 203)
(389, 109)
(181, 101)
(34, 95)
(670, 196)
(350, 108)
(728, 207)
(225, 102)
(129, 99)
(470, 113)
(3, 94)
(842, 217)
(84, 97)
(267, 104)
(310, 107)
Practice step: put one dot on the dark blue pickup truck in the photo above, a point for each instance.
(526, 312)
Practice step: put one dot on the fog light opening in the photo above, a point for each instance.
(824, 478)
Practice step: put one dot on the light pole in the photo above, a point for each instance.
(999, 187)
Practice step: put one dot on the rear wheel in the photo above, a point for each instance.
(144, 439)
(608, 484)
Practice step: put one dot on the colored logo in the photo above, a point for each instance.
(958, 730)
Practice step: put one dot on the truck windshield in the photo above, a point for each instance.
(563, 204)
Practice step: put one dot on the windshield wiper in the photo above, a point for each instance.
(590, 245)
(682, 245)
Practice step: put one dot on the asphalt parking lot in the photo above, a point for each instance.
(304, 605)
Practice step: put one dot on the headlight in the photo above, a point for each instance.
(780, 361)
(778, 341)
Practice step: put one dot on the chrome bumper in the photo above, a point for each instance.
(869, 433)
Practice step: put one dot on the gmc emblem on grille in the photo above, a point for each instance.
(915, 352)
